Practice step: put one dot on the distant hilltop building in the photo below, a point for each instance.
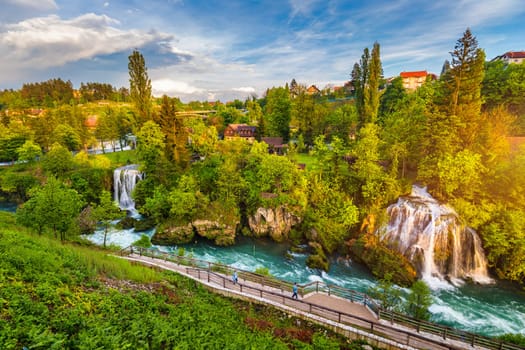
(413, 80)
(242, 131)
(511, 57)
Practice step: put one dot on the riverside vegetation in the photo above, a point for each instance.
(69, 296)
(363, 148)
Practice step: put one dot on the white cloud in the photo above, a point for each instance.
(246, 89)
(106, 4)
(301, 7)
(51, 41)
(173, 87)
(34, 4)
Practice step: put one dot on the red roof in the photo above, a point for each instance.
(416, 74)
(515, 54)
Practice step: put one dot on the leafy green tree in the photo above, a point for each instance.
(371, 92)
(185, 200)
(459, 175)
(392, 98)
(330, 213)
(419, 300)
(278, 113)
(366, 77)
(53, 207)
(105, 212)
(29, 151)
(342, 123)
(203, 139)
(143, 242)
(387, 293)
(66, 136)
(58, 161)
(333, 167)
(503, 87)
(157, 206)
(376, 187)
(151, 148)
(140, 85)
(12, 137)
(462, 87)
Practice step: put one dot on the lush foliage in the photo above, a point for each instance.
(361, 152)
(60, 296)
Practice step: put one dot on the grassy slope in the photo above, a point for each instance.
(56, 296)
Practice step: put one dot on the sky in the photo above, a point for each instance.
(222, 50)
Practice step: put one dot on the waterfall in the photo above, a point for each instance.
(430, 235)
(124, 180)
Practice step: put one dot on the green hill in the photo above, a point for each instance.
(62, 296)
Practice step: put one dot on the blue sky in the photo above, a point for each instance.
(209, 50)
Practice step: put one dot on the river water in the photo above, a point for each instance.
(484, 309)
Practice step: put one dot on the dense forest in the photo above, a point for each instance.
(363, 147)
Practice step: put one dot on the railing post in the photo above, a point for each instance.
(473, 341)
(444, 333)
(328, 290)
(224, 283)
(339, 318)
(317, 286)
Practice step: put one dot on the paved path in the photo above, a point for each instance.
(332, 311)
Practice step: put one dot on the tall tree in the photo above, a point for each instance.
(462, 87)
(366, 77)
(371, 93)
(140, 85)
(278, 112)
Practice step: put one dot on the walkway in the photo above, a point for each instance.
(352, 319)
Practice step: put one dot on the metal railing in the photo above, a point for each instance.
(274, 289)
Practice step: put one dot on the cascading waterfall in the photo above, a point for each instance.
(430, 235)
(124, 180)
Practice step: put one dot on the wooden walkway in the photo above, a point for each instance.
(351, 319)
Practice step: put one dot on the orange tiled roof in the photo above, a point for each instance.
(515, 54)
(416, 74)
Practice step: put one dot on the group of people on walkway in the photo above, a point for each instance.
(295, 288)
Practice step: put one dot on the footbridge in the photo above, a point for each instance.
(350, 313)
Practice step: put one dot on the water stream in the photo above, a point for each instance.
(492, 309)
(485, 309)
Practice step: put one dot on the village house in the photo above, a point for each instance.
(243, 131)
(516, 57)
(275, 145)
(413, 80)
(313, 90)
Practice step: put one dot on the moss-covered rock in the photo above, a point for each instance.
(273, 222)
(318, 259)
(127, 223)
(173, 234)
(222, 234)
(381, 260)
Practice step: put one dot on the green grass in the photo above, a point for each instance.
(62, 296)
(122, 158)
(308, 160)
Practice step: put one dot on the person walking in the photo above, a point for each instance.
(234, 277)
(294, 291)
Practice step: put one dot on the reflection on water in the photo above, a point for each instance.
(8, 206)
